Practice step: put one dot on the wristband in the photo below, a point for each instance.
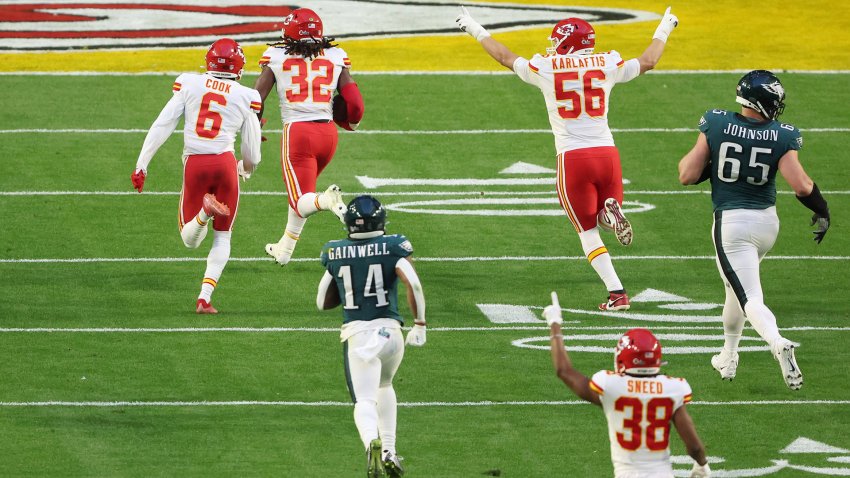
(815, 202)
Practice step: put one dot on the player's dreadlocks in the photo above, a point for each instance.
(309, 49)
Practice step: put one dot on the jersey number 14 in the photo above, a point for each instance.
(374, 286)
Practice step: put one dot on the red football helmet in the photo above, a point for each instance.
(225, 59)
(302, 24)
(638, 353)
(572, 35)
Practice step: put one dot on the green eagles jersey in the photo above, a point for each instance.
(364, 271)
(745, 157)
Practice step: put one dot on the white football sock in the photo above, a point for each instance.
(733, 321)
(294, 226)
(366, 419)
(600, 260)
(309, 204)
(762, 320)
(216, 260)
(194, 231)
(387, 417)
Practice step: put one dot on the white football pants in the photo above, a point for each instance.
(372, 358)
(742, 237)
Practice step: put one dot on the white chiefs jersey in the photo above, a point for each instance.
(639, 411)
(214, 110)
(577, 89)
(305, 87)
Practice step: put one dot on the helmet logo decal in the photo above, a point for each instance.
(775, 88)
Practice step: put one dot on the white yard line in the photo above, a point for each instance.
(328, 403)
(93, 260)
(406, 73)
(682, 192)
(394, 132)
(494, 328)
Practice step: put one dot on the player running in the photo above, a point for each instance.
(576, 84)
(215, 107)
(741, 154)
(307, 68)
(363, 272)
(639, 402)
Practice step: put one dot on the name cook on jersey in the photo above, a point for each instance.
(365, 250)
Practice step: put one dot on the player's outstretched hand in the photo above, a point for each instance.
(467, 24)
(700, 471)
(666, 26)
(823, 226)
(416, 336)
(240, 168)
(138, 179)
(552, 313)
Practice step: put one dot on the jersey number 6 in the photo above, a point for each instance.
(575, 98)
(202, 127)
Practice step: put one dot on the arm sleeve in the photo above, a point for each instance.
(526, 71)
(251, 136)
(627, 70)
(354, 103)
(597, 383)
(161, 129)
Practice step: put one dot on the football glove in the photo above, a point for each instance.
(416, 336)
(823, 226)
(467, 24)
(666, 26)
(552, 313)
(240, 168)
(700, 471)
(138, 179)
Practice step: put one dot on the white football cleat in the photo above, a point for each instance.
(622, 226)
(726, 363)
(331, 200)
(279, 252)
(783, 351)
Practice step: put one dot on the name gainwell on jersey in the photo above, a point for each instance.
(365, 250)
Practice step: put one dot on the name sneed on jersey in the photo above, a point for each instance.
(365, 250)
(643, 386)
(747, 133)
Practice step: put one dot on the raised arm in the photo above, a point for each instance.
(575, 380)
(649, 58)
(494, 48)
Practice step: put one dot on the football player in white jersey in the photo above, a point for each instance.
(576, 84)
(639, 402)
(307, 68)
(215, 107)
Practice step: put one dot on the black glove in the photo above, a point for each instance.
(823, 226)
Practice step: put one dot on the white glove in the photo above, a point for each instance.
(416, 336)
(700, 471)
(240, 168)
(467, 24)
(552, 313)
(666, 26)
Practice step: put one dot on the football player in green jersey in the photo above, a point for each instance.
(362, 273)
(741, 153)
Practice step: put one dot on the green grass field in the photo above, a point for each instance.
(97, 292)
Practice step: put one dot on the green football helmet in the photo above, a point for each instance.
(761, 90)
(365, 214)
